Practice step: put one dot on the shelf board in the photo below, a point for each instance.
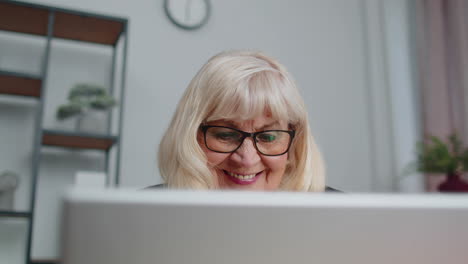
(77, 140)
(87, 28)
(17, 214)
(24, 19)
(15, 83)
(33, 19)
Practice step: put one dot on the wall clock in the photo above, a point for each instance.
(188, 14)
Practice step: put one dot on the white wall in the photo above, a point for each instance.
(326, 45)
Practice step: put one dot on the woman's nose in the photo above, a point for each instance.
(246, 155)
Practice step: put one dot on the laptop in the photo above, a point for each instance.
(201, 227)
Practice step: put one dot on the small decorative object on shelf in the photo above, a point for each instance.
(8, 183)
(82, 99)
(449, 158)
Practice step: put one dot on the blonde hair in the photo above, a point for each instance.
(238, 85)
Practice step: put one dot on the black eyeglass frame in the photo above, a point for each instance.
(245, 135)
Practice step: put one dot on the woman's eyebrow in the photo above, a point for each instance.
(233, 124)
(228, 123)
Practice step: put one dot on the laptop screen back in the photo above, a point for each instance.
(182, 227)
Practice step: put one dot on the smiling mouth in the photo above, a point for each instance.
(242, 178)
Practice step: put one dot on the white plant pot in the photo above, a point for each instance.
(92, 122)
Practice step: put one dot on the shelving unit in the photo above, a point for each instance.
(58, 23)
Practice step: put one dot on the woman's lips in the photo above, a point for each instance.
(242, 179)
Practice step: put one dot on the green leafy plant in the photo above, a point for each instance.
(437, 156)
(84, 97)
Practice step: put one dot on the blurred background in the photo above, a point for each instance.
(376, 76)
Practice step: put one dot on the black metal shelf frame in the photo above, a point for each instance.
(20, 74)
(16, 214)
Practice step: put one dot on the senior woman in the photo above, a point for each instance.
(241, 124)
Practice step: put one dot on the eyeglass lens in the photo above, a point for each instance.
(223, 139)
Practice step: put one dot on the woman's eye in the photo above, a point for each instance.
(266, 137)
(226, 136)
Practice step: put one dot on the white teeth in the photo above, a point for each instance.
(242, 177)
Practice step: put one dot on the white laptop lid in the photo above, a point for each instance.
(177, 227)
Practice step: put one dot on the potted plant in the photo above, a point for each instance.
(448, 158)
(82, 99)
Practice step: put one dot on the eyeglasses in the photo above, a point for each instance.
(226, 140)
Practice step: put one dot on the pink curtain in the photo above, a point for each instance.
(443, 63)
